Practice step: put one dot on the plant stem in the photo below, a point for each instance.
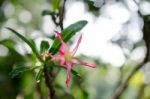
(49, 76)
(48, 81)
(61, 15)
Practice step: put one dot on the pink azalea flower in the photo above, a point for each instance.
(66, 57)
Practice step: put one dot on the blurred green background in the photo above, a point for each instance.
(115, 41)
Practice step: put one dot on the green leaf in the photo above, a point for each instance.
(67, 34)
(91, 6)
(10, 45)
(31, 45)
(44, 46)
(47, 12)
(19, 70)
(76, 74)
(56, 4)
(39, 75)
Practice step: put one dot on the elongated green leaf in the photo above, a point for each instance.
(10, 45)
(67, 34)
(25, 40)
(39, 75)
(47, 12)
(44, 46)
(19, 70)
(7, 42)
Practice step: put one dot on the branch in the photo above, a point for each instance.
(59, 15)
(48, 81)
(54, 20)
(123, 85)
(146, 36)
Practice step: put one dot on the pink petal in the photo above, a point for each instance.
(52, 56)
(64, 47)
(59, 37)
(77, 45)
(78, 62)
(61, 51)
(59, 58)
(62, 62)
(69, 66)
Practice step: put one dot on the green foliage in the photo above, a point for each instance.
(39, 75)
(91, 5)
(56, 4)
(67, 34)
(44, 46)
(76, 74)
(19, 70)
(92, 8)
(8, 43)
(31, 45)
(47, 12)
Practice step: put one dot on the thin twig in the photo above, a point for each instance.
(61, 15)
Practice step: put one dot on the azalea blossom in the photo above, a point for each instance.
(66, 57)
